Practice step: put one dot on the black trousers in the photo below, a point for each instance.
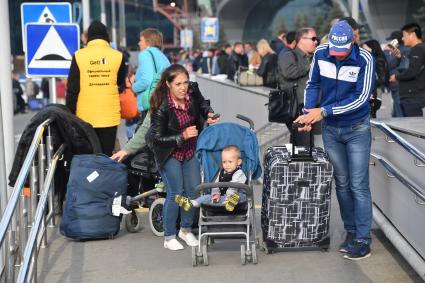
(107, 138)
(412, 106)
(20, 103)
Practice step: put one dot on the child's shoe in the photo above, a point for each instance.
(183, 202)
(231, 202)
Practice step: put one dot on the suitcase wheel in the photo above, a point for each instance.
(324, 244)
(268, 250)
(133, 222)
(324, 248)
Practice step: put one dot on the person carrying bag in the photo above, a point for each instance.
(128, 101)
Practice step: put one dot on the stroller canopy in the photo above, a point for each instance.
(213, 139)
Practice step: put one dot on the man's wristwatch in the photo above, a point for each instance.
(323, 112)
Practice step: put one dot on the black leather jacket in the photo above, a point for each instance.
(268, 70)
(234, 62)
(165, 135)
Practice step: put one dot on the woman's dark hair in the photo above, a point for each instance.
(375, 47)
(161, 90)
(382, 70)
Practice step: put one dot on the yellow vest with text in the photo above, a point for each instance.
(98, 100)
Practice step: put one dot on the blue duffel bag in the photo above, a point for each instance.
(96, 192)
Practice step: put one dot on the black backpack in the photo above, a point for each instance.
(36, 89)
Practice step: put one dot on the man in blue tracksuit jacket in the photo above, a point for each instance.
(344, 75)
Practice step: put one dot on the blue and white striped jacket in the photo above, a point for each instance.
(345, 86)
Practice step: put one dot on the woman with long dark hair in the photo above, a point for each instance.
(382, 72)
(178, 112)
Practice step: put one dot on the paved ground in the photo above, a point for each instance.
(141, 257)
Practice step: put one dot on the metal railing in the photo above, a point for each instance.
(31, 249)
(392, 136)
(26, 206)
(393, 234)
(394, 173)
(418, 156)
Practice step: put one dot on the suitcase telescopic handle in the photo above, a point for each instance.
(207, 186)
(295, 127)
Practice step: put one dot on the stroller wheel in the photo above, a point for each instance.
(205, 255)
(243, 255)
(254, 254)
(133, 222)
(156, 217)
(194, 257)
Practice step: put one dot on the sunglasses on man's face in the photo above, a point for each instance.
(311, 38)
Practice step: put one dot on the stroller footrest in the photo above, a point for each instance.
(227, 229)
(225, 218)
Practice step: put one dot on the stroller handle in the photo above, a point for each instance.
(207, 186)
(246, 119)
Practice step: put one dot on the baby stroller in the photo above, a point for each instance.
(214, 220)
(147, 190)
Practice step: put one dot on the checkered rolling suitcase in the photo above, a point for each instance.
(296, 199)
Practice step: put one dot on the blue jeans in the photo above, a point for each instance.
(130, 127)
(180, 178)
(397, 112)
(349, 149)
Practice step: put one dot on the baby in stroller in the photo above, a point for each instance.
(216, 146)
(231, 171)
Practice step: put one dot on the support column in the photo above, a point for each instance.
(86, 14)
(103, 12)
(114, 24)
(7, 142)
(355, 9)
(122, 32)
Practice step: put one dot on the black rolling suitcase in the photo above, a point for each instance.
(296, 198)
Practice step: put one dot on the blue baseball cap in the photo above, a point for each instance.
(340, 39)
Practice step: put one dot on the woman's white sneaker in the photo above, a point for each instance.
(173, 245)
(189, 238)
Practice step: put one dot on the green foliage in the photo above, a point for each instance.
(335, 12)
(324, 18)
(420, 15)
(279, 24)
(301, 20)
(321, 24)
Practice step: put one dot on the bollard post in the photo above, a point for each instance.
(33, 191)
(24, 222)
(51, 213)
(12, 256)
(41, 172)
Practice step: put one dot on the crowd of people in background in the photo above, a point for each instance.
(268, 60)
(281, 62)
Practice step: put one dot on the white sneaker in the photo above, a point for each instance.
(189, 238)
(173, 245)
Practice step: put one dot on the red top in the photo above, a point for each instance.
(185, 120)
(60, 89)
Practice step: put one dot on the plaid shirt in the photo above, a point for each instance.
(185, 120)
